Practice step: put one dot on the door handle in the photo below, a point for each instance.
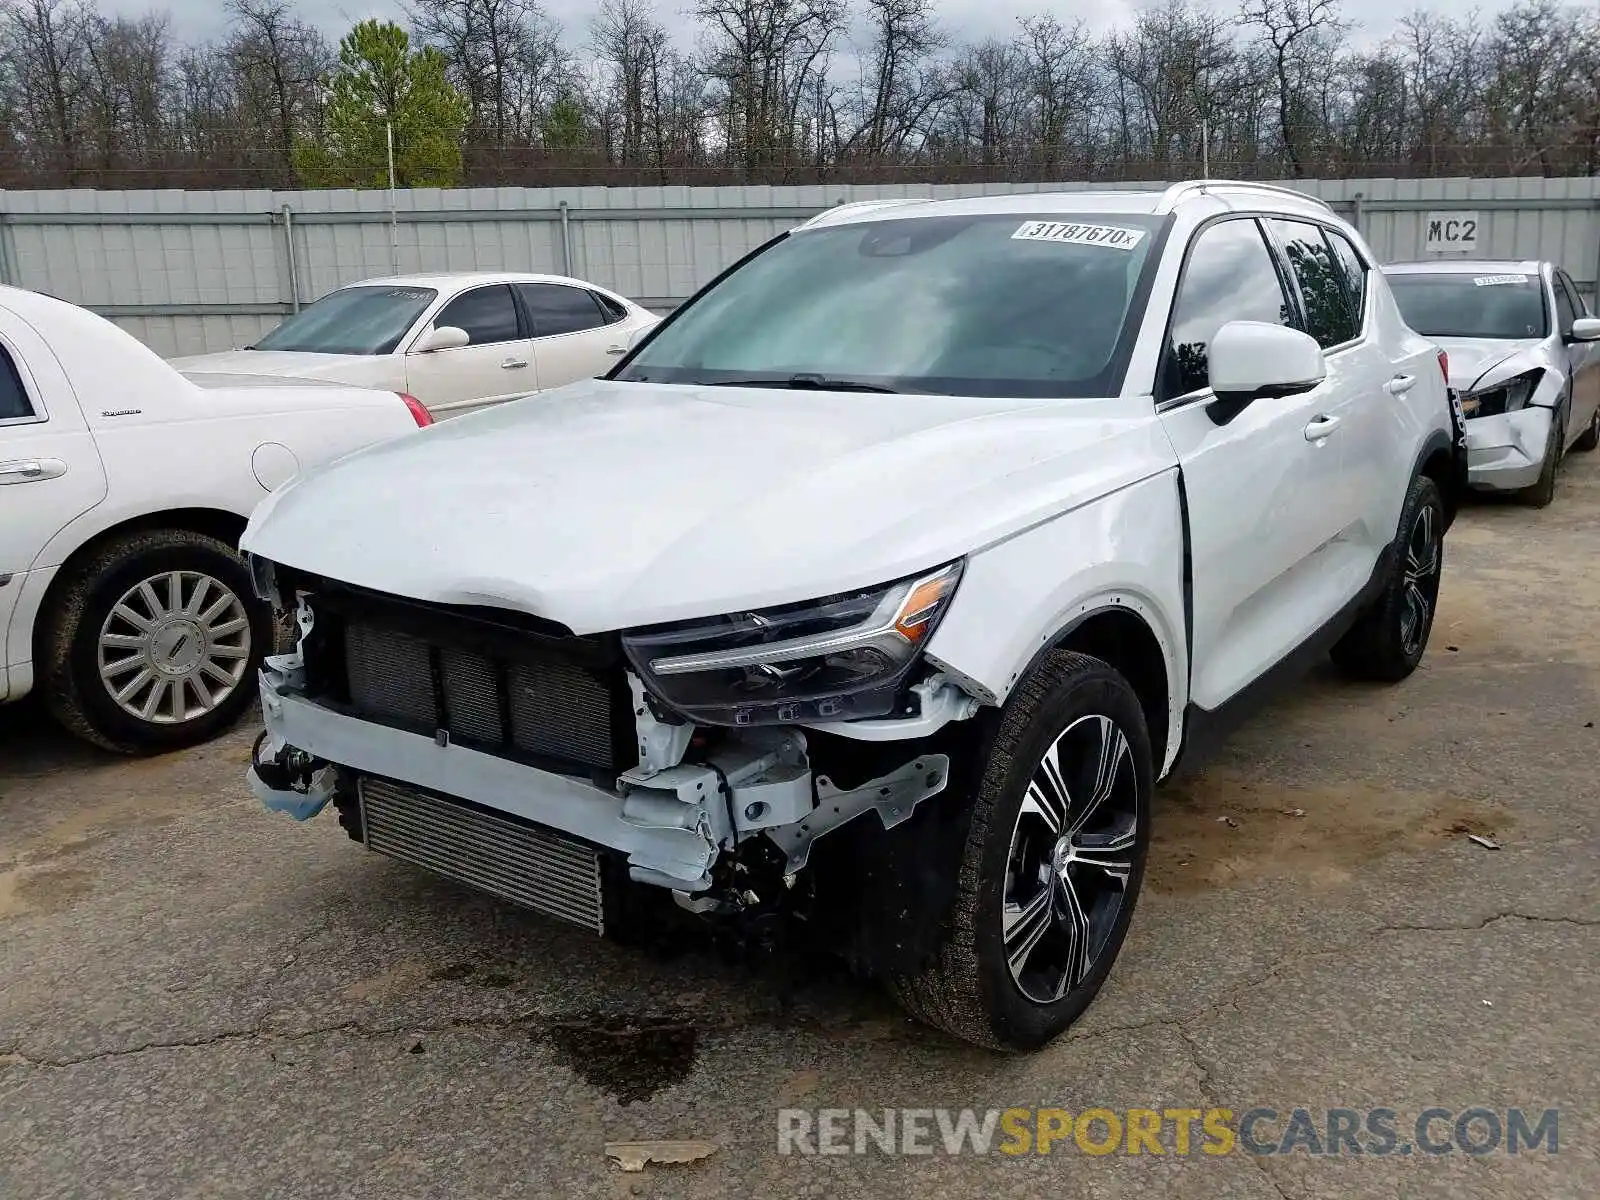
(31, 470)
(616, 351)
(1400, 385)
(513, 364)
(1320, 427)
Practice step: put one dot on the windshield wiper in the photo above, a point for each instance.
(806, 382)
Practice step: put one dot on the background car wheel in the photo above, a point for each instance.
(1052, 863)
(1590, 438)
(1388, 642)
(155, 642)
(1542, 493)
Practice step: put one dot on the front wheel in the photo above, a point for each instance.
(1052, 863)
(1543, 491)
(1590, 437)
(1388, 641)
(155, 642)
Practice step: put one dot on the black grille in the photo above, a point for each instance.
(558, 701)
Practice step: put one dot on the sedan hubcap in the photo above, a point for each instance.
(174, 647)
(1072, 854)
(1423, 555)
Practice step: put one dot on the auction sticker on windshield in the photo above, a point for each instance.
(1071, 234)
(1494, 280)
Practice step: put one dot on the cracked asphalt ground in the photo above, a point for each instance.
(200, 999)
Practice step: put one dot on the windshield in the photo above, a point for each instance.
(353, 320)
(970, 305)
(1485, 304)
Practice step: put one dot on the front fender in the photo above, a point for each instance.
(1022, 596)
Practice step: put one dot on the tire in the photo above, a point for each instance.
(969, 987)
(1390, 638)
(1544, 491)
(1590, 438)
(203, 663)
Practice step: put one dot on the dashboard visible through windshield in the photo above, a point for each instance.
(986, 305)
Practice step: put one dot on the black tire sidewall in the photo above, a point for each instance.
(1018, 1021)
(121, 728)
(1424, 493)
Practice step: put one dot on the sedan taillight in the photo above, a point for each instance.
(419, 414)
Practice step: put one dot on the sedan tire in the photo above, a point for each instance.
(1052, 864)
(155, 642)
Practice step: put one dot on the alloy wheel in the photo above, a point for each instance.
(1423, 559)
(1071, 856)
(174, 647)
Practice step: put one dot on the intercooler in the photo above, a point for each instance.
(494, 853)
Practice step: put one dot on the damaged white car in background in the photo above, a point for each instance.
(878, 587)
(1523, 362)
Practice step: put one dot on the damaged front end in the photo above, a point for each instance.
(541, 766)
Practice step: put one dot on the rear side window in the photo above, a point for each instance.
(1355, 275)
(613, 311)
(1324, 290)
(488, 314)
(555, 308)
(14, 403)
(1230, 276)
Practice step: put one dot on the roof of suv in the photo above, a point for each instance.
(1146, 201)
(1464, 266)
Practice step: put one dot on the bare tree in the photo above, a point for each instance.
(631, 47)
(45, 43)
(1294, 31)
(763, 58)
(900, 81)
(278, 62)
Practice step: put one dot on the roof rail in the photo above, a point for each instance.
(847, 206)
(1179, 191)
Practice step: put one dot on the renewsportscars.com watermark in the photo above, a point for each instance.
(1179, 1132)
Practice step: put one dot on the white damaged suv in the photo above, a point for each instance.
(879, 584)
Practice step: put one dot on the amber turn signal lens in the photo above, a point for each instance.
(911, 622)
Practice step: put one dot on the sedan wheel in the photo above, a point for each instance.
(174, 647)
(154, 641)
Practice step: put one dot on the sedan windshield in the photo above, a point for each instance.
(1482, 304)
(353, 320)
(968, 305)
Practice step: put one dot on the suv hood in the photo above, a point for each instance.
(606, 505)
(1471, 359)
(291, 363)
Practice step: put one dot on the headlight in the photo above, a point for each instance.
(1502, 397)
(839, 658)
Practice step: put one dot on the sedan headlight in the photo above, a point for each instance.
(840, 658)
(1505, 397)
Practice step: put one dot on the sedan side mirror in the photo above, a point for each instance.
(1585, 329)
(1253, 360)
(443, 337)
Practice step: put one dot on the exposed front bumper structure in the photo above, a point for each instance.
(1506, 452)
(669, 820)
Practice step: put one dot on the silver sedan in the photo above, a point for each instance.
(1523, 362)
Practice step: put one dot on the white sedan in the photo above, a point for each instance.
(456, 342)
(124, 487)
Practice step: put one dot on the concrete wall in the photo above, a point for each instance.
(190, 272)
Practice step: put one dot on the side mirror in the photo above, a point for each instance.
(1252, 360)
(1585, 329)
(443, 337)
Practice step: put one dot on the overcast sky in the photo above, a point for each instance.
(199, 20)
